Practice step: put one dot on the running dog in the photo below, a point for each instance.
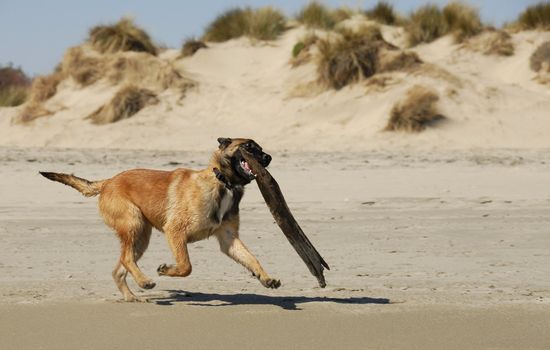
(186, 205)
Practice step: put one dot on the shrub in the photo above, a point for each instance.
(85, 70)
(348, 58)
(383, 12)
(462, 20)
(127, 102)
(316, 15)
(191, 46)
(417, 111)
(231, 24)
(426, 24)
(266, 23)
(14, 86)
(263, 24)
(301, 50)
(391, 60)
(492, 42)
(341, 14)
(541, 58)
(32, 110)
(122, 36)
(44, 87)
(535, 17)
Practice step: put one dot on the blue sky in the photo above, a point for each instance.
(34, 34)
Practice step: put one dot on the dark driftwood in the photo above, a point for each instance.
(279, 209)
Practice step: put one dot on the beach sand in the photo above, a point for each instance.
(438, 250)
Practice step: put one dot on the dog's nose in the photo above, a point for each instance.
(266, 159)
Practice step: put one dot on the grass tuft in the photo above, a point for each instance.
(191, 46)
(128, 101)
(492, 42)
(416, 112)
(348, 58)
(316, 15)
(535, 17)
(85, 70)
(426, 24)
(540, 59)
(121, 36)
(301, 50)
(264, 23)
(382, 12)
(462, 20)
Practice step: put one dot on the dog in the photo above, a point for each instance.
(186, 205)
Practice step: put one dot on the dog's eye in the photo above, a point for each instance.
(248, 146)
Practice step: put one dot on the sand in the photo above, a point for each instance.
(439, 250)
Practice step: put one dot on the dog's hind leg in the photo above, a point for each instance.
(120, 272)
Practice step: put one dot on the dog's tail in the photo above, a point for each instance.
(87, 188)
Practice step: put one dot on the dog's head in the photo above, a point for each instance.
(232, 162)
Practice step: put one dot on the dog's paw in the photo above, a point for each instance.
(271, 283)
(162, 269)
(148, 284)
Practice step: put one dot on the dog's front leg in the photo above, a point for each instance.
(230, 244)
(177, 241)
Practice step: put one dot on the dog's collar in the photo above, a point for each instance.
(222, 178)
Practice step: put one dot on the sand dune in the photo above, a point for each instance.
(249, 88)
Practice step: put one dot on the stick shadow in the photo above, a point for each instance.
(284, 302)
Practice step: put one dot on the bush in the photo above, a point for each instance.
(127, 102)
(492, 42)
(541, 58)
(85, 70)
(348, 58)
(301, 50)
(191, 46)
(14, 86)
(462, 20)
(383, 12)
(425, 25)
(535, 17)
(122, 36)
(416, 112)
(341, 14)
(266, 23)
(316, 15)
(263, 24)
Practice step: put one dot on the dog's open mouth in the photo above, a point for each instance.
(246, 168)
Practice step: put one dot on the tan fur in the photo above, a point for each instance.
(183, 203)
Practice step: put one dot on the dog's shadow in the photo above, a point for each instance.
(285, 302)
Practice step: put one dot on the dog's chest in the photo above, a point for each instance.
(226, 203)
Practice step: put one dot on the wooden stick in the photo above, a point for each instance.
(284, 218)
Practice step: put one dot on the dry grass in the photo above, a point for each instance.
(265, 23)
(383, 12)
(491, 42)
(462, 20)
(84, 69)
(191, 46)
(32, 110)
(540, 59)
(392, 60)
(426, 24)
(535, 17)
(121, 36)
(146, 70)
(341, 14)
(348, 58)
(14, 86)
(128, 101)
(44, 87)
(416, 112)
(301, 51)
(316, 15)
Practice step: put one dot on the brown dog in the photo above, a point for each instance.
(187, 205)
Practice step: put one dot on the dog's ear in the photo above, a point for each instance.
(224, 142)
